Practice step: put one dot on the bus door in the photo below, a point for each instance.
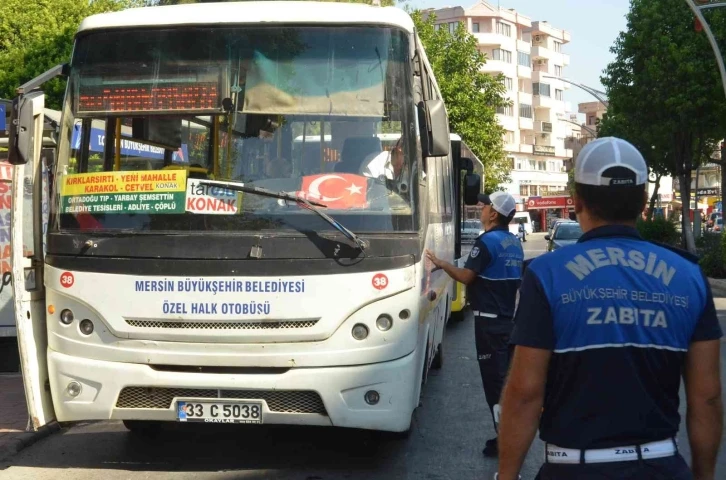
(25, 144)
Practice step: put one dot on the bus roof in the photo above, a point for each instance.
(309, 13)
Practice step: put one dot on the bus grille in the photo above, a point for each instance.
(282, 401)
(266, 325)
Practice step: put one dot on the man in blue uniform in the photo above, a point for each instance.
(603, 331)
(492, 274)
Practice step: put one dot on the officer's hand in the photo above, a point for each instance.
(430, 255)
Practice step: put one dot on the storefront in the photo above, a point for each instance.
(544, 209)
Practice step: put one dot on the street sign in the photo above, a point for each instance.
(2, 118)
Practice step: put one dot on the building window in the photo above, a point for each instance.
(504, 29)
(506, 111)
(591, 119)
(475, 27)
(541, 165)
(511, 162)
(520, 164)
(508, 83)
(558, 70)
(502, 55)
(452, 26)
(525, 110)
(559, 95)
(508, 136)
(542, 89)
(524, 190)
(557, 46)
(524, 59)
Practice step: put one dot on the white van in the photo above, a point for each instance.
(520, 217)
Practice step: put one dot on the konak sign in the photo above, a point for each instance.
(549, 202)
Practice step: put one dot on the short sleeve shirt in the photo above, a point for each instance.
(619, 314)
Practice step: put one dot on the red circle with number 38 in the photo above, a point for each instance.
(379, 281)
(67, 279)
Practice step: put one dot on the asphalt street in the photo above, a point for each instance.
(449, 430)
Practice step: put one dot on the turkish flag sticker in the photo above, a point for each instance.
(336, 190)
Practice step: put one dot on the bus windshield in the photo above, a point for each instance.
(321, 112)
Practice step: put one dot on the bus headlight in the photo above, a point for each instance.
(384, 323)
(360, 331)
(66, 317)
(86, 327)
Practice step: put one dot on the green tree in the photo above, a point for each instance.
(37, 35)
(665, 92)
(471, 96)
(384, 3)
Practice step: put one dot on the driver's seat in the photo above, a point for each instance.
(355, 150)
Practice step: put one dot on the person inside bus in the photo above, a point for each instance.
(390, 167)
(278, 167)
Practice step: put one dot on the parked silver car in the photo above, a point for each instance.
(470, 230)
(564, 233)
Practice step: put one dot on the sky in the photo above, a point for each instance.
(593, 24)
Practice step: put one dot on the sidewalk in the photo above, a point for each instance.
(14, 417)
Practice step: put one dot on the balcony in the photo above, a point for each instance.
(495, 39)
(563, 152)
(525, 98)
(540, 101)
(526, 123)
(523, 46)
(507, 123)
(498, 66)
(524, 72)
(525, 148)
(541, 51)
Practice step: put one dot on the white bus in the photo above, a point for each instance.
(234, 281)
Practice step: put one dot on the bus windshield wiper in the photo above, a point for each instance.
(302, 202)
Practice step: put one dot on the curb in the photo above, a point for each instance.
(27, 439)
(718, 286)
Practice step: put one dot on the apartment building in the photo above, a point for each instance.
(530, 55)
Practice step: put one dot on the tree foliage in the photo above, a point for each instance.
(37, 35)
(665, 92)
(384, 3)
(471, 96)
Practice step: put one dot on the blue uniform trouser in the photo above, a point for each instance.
(493, 354)
(669, 468)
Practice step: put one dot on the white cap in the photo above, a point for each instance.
(610, 161)
(501, 202)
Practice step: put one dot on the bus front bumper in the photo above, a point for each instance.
(331, 396)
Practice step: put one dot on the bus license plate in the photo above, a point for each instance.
(220, 412)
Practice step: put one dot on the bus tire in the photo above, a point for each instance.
(395, 436)
(460, 316)
(438, 360)
(143, 427)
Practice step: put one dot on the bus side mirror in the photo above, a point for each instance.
(435, 139)
(26, 118)
(466, 164)
(472, 187)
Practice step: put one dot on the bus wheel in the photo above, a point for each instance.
(438, 360)
(393, 436)
(143, 427)
(460, 316)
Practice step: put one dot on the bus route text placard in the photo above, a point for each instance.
(152, 192)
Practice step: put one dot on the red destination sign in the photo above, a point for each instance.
(549, 202)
